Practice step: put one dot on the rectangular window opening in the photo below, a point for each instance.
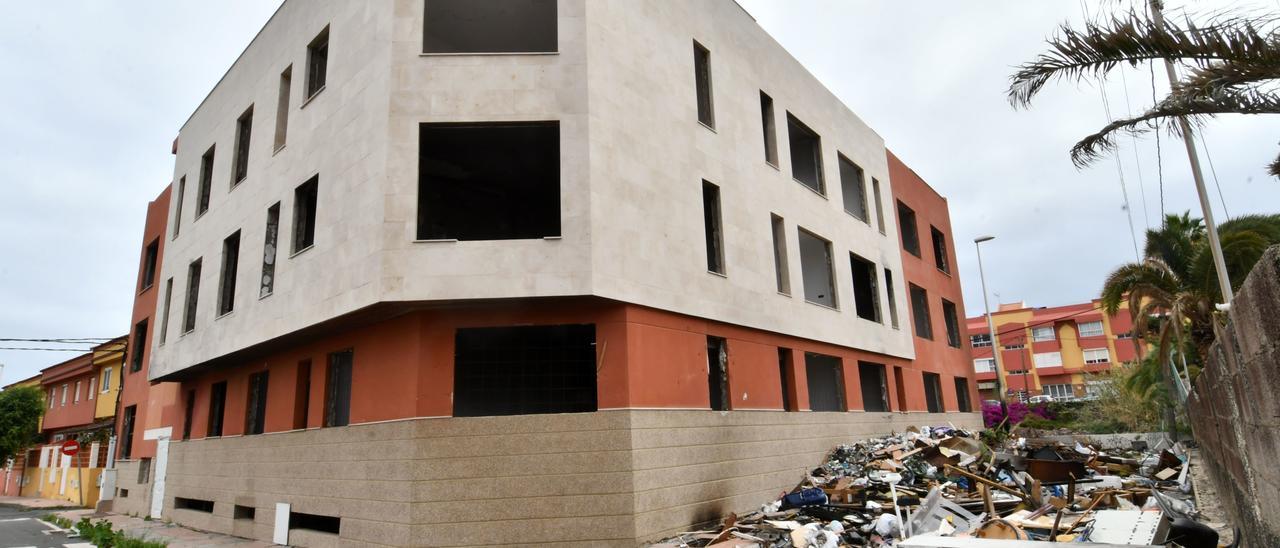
(866, 292)
(781, 270)
(940, 250)
(893, 297)
(492, 26)
(806, 155)
(1042, 334)
(230, 266)
(304, 214)
(962, 394)
(247, 513)
(206, 182)
(268, 282)
(768, 122)
(907, 226)
(177, 208)
(718, 373)
(875, 387)
(785, 358)
(1097, 355)
(282, 108)
(126, 431)
(198, 505)
(920, 312)
(900, 388)
(315, 522)
(240, 158)
(302, 395)
(106, 379)
(875, 189)
(193, 297)
(853, 189)
(149, 259)
(1047, 359)
(188, 415)
(164, 311)
(816, 269)
(255, 416)
(980, 340)
(952, 319)
(1090, 329)
(524, 370)
(826, 382)
(711, 225)
(489, 181)
(702, 80)
(139, 346)
(933, 392)
(337, 389)
(217, 408)
(317, 62)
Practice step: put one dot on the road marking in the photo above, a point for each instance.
(11, 520)
(78, 545)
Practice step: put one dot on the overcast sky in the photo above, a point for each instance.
(95, 93)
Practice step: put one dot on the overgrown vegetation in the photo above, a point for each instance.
(1128, 399)
(101, 534)
(20, 409)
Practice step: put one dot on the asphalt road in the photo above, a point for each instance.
(22, 529)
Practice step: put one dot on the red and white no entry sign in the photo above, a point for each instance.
(70, 448)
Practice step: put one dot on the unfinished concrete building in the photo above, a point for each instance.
(587, 272)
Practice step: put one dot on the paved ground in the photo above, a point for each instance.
(177, 537)
(23, 528)
(1207, 502)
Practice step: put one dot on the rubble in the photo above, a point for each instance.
(943, 486)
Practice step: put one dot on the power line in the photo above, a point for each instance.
(1137, 161)
(1205, 144)
(1151, 67)
(48, 349)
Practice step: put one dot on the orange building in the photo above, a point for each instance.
(1049, 351)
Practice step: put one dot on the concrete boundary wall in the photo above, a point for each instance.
(1235, 411)
(610, 478)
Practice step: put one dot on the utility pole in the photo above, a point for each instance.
(991, 328)
(1188, 138)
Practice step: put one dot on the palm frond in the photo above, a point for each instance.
(1227, 101)
(1131, 38)
(1274, 167)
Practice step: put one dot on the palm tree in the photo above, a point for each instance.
(1233, 65)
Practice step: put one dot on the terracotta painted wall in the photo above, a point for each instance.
(936, 355)
(156, 404)
(72, 413)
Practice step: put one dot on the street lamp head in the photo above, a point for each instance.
(981, 239)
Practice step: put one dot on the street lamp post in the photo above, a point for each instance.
(991, 327)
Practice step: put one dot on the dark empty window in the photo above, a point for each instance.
(315, 522)
(244, 512)
(255, 415)
(164, 311)
(230, 265)
(702, 80)
(206, 182)
(177, 209)
(126, 431)
(718, 373)
(907, 225)
(317, 62)
(933, 392)
(240, 161)
(875, 189)
(198, 505)
(189, 414)
(952, 318)
(806, 155)
(962, 394)
(853, 189)
(768, 122)
(302, 395)
(497, 181)
(193, 296)
(337, 389)
(139, 346)
(893, 298)
(304, 214)
(781, 271)
(786, 377)
(489, 26)
(268, 282)
(940, 250)
(920, 312)
(875, 387)
(826, 382)
(711, 227)
(149, 259)
(217, 407)
(282, 107)
(866, 293)
(524, 370)
(816, 269)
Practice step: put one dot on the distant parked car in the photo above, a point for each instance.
(1043, 398)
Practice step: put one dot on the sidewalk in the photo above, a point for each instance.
(29, 503)
(177, 537)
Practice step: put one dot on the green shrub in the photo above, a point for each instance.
(101, 534)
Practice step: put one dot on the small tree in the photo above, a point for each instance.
(20, 409)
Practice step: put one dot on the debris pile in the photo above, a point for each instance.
(925, 486)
